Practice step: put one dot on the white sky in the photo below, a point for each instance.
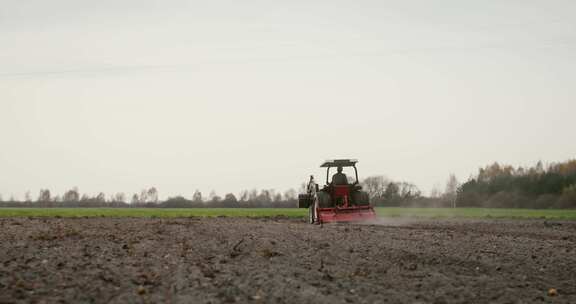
(229, 95)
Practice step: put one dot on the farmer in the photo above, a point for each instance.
(311, 186)
(339, 178)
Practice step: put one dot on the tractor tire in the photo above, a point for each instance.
(324, 200)
(361, 198)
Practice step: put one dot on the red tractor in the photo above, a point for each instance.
(338, 200)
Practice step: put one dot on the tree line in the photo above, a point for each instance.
(149, 198)
(385, 192)
(538, 186)
(494, 186)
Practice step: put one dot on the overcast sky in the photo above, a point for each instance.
(117, 95)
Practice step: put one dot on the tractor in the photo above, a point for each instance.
(337, 201)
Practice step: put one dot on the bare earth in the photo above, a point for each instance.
(220, 260)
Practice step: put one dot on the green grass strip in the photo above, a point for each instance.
(479, 213)
(150, 212)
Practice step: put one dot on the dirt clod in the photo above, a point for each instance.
(141, 290)
(552, 292)
(269, 253)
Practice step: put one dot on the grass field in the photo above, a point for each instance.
(293, 213)
(558, 214)
(151, 212)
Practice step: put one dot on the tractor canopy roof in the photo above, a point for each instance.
(339, 163)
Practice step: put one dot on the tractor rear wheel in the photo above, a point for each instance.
(361, 198)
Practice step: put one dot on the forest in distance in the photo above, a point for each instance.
(493, 186)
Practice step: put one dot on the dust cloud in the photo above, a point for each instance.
(392, 221)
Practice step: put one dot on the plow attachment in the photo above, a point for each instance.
(345, 214)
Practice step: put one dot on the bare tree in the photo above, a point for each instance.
(120, 197)
(144, 196)
(392, 193)
(135, 199)
(215, 198)
(72, 195)
(253, 195)
(264, 198)
(278, 197)
(197, 196)
(230, 201)
(101, 197)
(44, 196)
(244, 196)
(375, 185)
(435, 192)
(408, 190)
(153, 195)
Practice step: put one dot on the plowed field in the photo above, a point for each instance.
(281, 260)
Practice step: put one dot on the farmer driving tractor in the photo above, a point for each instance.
(338, 200)
(339, 178)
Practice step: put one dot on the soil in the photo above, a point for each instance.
(280, 260)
